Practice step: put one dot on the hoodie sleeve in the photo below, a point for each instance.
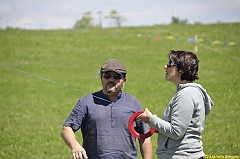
(179, 114)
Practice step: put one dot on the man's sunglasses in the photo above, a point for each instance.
(170, 64)
(115, 76)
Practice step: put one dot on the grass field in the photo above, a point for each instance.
(33, 107)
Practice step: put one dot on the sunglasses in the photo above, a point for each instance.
(115, 76)
(170, 64)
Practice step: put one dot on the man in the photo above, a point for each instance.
(103, 119)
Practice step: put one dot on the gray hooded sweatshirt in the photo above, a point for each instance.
(179, 130)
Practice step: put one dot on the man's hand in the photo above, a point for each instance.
(78, 152)
(68, 135)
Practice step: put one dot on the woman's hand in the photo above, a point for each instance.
(145, 116)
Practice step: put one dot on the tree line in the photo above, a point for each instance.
(85, 21)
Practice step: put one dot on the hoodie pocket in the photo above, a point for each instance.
(171, 143)
(162, 142)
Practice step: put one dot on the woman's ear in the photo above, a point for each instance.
(180, 72)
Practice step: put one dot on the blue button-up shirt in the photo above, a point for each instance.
(104, 125)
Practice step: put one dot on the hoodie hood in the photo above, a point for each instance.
(207, 99)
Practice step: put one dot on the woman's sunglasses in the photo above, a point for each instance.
(170, 64)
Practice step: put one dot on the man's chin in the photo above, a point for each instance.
(111, 90)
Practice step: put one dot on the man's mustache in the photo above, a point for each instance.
(111, 83)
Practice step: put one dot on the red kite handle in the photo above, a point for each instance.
(132, 130)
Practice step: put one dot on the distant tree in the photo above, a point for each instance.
(184, 21)
(116, 17)
(176, 20)
(85, 22)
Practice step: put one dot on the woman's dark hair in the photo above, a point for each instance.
(186, 62)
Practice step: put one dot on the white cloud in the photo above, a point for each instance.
(5, 6)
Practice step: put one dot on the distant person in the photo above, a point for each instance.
(179, 129)
(103, 119)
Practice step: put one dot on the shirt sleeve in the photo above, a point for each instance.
(180, 113)
(76, 117)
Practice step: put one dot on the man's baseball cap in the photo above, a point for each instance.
(114, 65)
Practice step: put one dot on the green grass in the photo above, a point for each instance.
(33, 109)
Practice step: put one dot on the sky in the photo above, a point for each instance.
(63, 14)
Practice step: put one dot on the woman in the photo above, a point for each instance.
(179, 130)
